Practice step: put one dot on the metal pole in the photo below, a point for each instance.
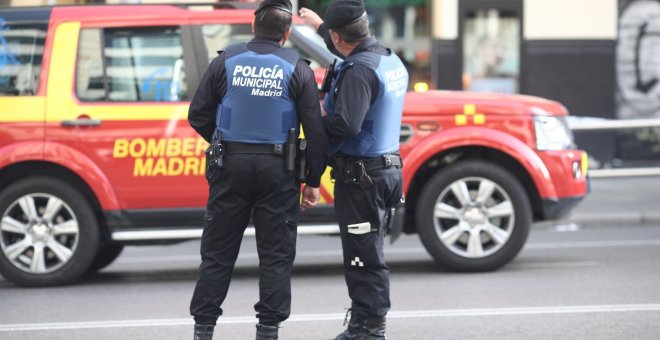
(596, 124)
(607, 124)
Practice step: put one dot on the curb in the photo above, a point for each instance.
(609, 219)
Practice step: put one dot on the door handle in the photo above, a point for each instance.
(81, 122)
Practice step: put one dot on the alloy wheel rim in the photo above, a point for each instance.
(39, 233)
(473, 217)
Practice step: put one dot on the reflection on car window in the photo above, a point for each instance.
(21, 52)
(218, 37)
(131, 64)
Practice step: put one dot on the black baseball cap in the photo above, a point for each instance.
(344, 12)
(282, 5)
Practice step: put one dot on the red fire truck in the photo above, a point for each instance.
(96, 151)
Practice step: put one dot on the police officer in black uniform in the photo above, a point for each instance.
(249, 106)
(363, 120)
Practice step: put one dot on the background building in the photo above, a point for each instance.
(600, 58)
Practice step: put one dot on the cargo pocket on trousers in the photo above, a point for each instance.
(292, 226)
(209, 216)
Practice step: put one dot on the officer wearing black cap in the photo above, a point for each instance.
(249, 106)
(363, 112)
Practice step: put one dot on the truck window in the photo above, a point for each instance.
(21, 52)
(219, 36)
(131, 65)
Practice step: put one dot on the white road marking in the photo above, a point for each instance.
(448, 313)
(416, 250)
(149, 259)
(558, 264)
(592, 244)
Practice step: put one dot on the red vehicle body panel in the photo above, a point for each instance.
(121, 164)
(504, 125)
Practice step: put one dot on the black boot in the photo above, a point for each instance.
(361, 327)
(265, 332)
(203, 332)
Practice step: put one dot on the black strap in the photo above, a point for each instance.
(264, 149)
(382, 162)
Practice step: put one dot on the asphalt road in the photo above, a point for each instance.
(619, 202)
(567, 283)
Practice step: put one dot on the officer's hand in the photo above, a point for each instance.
(323, 112)
(310, 18)
(310, 197)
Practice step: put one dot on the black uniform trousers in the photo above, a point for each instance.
(248, 184)
(367, 276)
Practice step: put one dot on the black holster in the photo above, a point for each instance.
(215, 152)
(349, 170)
(290, 151)
(395, 220)
(302, 160)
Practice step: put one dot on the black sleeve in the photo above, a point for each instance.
(324, 32)
(305, 93)
(356, 90)
(211, 90)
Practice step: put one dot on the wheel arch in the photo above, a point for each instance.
(451, 156)
(27, 169)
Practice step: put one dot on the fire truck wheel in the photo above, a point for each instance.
(48, 234)
(107, 254)
(473, 216)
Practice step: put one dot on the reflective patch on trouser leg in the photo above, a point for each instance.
(359, 228)
(356, 262)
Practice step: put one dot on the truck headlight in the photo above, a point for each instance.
(552, 133)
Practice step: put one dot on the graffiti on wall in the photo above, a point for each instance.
(638, 60)
(638, 78)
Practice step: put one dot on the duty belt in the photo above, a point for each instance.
(348, 169)
(384, 161)
(264, 149)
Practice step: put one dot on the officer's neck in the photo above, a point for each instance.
(346, 49)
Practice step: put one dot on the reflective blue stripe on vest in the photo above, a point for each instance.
(379, 133)
(257, 107)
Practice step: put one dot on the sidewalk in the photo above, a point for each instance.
(619, 201)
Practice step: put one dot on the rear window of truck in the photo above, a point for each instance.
(21, 54)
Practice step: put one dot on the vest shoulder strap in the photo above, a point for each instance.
(366, 58)
(289, 55)
(235, 49)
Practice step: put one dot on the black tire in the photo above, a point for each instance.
(107, 254)
(38, 248)
(466, 224)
